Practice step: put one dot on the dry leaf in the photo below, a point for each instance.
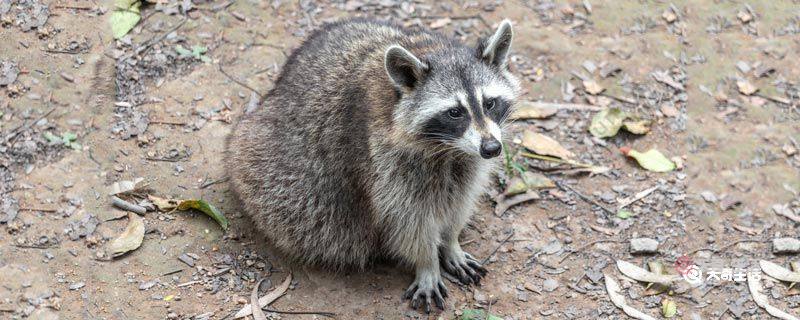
(776, 271)
(761, 300)
(530, 110)
(130, 239)
(439, 23)
(258, 314)
(592, 87)
(619, 300)
(124, 186)
(745, 87)
(266, 299)
(637, 127)
(505, 203)
(163, 204)
(544, 145)
(634, 272)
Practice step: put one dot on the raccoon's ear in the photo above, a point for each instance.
(494, 50)
(403, 67)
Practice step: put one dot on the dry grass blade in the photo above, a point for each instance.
(266, 299)
(258, 314)
(618, 300)
(761, 300)
(776, 271)
(634, 272)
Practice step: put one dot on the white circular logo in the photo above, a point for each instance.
(693, 275)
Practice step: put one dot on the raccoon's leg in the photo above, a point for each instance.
(458, 263)
(421, 249)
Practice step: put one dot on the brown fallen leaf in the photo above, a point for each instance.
(163, 204)
(266, 299)
(544, 145)
(258, 314)
(130, 239)
(636, 127)
(505, 203)
(439, 23)
(530, 110)
(613, 289)
(669, 110)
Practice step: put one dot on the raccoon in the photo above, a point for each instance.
(376, 142)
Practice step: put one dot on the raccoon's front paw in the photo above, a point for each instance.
(427, 287)
(463, 266)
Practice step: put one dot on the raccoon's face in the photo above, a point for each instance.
(457, 98)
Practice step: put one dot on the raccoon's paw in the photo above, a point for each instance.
(463, 266)
(426, 288)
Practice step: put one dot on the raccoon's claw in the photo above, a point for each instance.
(466, 268)
(422, 293)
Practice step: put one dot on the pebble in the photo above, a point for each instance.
(550, 285)
(644, 245)
(186, 259)
(76, 286)
(785, 245)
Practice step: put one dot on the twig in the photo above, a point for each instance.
(186, 284)
(149, 43)
(586, 246)
(38, 209)
(127, 206)
(73, 7)
(36, 246)
(162, 159)
(554, 159)
(563, 186)
(498, 247)
(723, 248)
(24, 127)
(239, 82)
(566, 106)
(321, 313)
(211, 183)
(644, 193)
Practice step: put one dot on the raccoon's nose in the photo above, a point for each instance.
(490, 148)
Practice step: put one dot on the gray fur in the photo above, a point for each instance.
(333, 169)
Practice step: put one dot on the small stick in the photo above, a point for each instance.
(586, 246)
(637, 197)
(211, 183)
(239, 82)
(580, 195)
(38, 209)
(127, 206)
(566, 106)
(497, 248)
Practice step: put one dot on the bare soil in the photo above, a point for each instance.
(140, 109)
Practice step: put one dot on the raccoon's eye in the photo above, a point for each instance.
(455, 113)
(489, 105)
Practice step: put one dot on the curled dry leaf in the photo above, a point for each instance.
(130, 239)
(607, 122)
(544, 145)
(266, 299)
(669, 308)
(776, 271)
(619, 300)
(163, 204)
(637, 126)
(504, 203)
(533, 110)
(258, 314)
(745, 87)
(634, 272)
(652, 160)
(592, 87)
(124, 186)
(761, 300)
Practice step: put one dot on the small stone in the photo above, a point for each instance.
(550, 285)
(76, 286)
(708, 196)
(644, 245)
(480, 297)
(186, 259)
(785, 245)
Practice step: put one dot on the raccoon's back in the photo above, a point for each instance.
(301, 164)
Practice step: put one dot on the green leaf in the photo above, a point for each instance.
(606, 123)
(52, 138)
(197, 51)
(68, 137)
(624, 214)
(475, 314)
(651, 160)
(669, 308)
(123, 20)
(183, 51)
(206, 208)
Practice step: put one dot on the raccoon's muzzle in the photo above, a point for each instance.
(490, 148)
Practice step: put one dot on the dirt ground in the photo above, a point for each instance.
(718, 79)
